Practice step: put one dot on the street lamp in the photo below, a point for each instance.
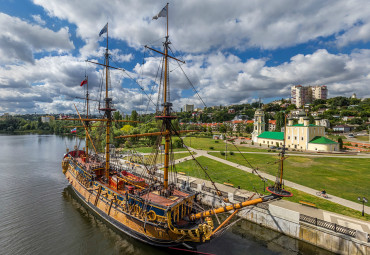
(363, 200)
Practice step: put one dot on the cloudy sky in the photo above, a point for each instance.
(235, 51)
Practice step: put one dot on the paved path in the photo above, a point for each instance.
(334, 199)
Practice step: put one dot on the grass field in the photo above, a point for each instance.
(148, 158)
(150, 149)
(218, 145)
(343, 177)
(223, 173)
(364, 138)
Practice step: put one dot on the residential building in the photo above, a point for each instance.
(342, 128)
(47, 119)
(189, 108)
(301, 95)
(272, 125)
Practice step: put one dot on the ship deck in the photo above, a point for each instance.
(155, 197)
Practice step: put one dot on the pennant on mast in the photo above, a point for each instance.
(104, 30)
(83, 82)
(162, 13)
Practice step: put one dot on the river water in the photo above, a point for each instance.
(39, 213)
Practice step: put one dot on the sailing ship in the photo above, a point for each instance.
(152, 210)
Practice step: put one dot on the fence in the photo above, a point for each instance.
(328, 225)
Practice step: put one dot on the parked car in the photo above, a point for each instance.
(273, 147)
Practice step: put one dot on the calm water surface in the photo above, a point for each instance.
(39, 213)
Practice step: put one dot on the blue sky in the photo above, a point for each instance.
(235, 51)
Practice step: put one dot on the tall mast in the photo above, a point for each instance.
(108, 113)
(166, 112)
(87, 114)
(280, 183)
(166, 115)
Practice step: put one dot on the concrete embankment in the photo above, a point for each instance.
(327, 235)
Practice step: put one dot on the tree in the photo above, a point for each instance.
(340, 141)
(117, 116)
(134, 117)
(222, 128)
(249, 128)
(319, 102)
(280, 121)
(126, 129)
(338, 101)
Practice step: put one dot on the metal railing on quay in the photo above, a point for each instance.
(328, 225)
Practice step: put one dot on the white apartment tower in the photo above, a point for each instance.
(302, 95)
(188, 108)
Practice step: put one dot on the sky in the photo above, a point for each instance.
(234, 51)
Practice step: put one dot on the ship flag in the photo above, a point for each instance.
(74, 130)
(83, 82)
(162, 13)
(104, 30)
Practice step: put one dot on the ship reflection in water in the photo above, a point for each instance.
(242, 238)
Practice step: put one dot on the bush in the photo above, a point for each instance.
(217, 141)
(128, 144)
(211, 148)
(260, 144)
(252, 143)
(231, 153)
(268, 150)
(222, 153)
(177, 143)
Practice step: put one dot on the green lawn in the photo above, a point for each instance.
(343, 177)
(218, 145)
(148, 158)
(150, 149)
(364, 138)
(223, 173)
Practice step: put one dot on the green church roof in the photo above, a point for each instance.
(272, 135)
(322, 140)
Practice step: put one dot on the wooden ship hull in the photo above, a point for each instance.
(159, 222)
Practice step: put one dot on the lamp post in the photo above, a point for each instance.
(363, 200)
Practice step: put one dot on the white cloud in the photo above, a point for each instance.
(19, 40)
(218, 24)
(202, 31)
(38, 20)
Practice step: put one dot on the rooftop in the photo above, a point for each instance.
(272, 135)
(301, 125)
(322, 140)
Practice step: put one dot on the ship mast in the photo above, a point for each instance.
(166, 112)
(108, 112)
(87, 116)
(166, 115)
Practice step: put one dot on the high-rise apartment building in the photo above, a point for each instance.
(303, 95)
(189, 108)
